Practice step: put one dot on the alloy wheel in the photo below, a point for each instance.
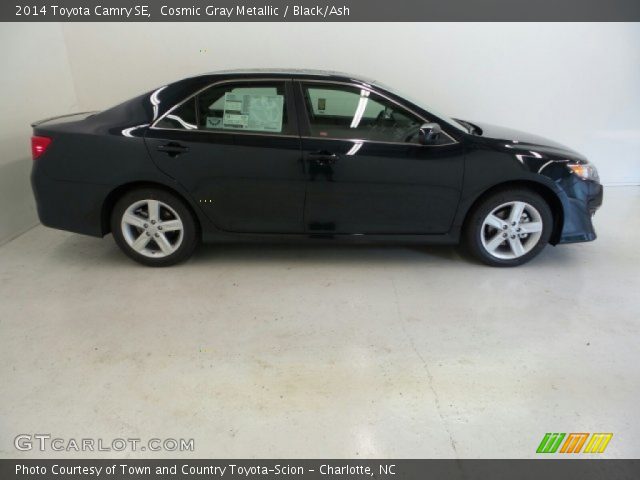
(511, 230)
(152, 228)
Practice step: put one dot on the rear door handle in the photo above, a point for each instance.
(323, 157)
(173, 149)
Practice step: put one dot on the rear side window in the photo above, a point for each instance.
(182, 117)
(244, 106)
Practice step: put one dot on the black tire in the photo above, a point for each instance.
(474, 231)
(183, 241)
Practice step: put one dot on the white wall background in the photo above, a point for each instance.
(577, 83)
(35, 82)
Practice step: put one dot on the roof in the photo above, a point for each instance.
(298, 72)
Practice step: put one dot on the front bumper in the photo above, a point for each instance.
(594, 198)
(581, 199)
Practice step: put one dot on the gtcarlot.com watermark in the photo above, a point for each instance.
(44, 442)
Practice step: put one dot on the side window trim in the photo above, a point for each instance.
(289, 101)
(195, 109)
(301, 107)
(305, 123)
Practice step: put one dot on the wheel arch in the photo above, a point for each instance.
(114, 195)
(546, 192)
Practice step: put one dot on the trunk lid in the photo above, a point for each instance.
(72, 117)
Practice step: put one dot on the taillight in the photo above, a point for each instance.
(39, 145)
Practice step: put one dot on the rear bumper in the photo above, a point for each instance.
(72, 206)
(583, 198)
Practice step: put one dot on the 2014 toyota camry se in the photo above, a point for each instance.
(272, 155)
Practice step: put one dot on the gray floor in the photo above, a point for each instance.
(324, 351)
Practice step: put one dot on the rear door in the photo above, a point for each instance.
(235, 147)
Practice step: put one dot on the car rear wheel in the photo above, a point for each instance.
(509, 228)
(154, 227)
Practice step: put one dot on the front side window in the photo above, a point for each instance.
(349, 112)
(244, 107)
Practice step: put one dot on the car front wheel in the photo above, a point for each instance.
(509, 228)
(154, 227)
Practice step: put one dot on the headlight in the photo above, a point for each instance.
(585, 171)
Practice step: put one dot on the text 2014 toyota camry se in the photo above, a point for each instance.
(274, 155)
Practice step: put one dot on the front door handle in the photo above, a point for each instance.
(323, 158)
(173, 149)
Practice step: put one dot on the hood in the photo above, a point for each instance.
(517, 140)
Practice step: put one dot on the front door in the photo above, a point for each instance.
(235, 147)
(367, 172)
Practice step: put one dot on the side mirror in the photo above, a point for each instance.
(429, 133)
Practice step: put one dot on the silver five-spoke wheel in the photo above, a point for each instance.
(152, 228)
(511, 230)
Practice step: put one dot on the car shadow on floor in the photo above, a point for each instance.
(431, 255)
(81, 249)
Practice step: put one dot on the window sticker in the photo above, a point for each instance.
(214, 122)
(252, 112)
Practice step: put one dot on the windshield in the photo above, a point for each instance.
(446, 118)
